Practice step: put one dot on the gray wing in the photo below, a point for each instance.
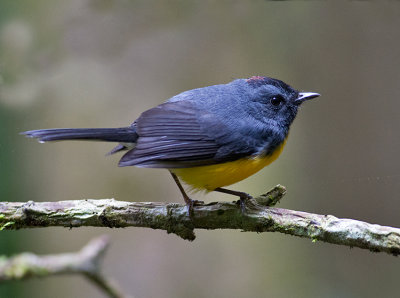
(179, 135)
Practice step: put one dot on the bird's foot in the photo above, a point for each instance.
(190, 203)
(244, 200)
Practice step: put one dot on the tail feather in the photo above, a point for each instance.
(122, 134)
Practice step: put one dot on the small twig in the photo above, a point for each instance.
(87, 261)
(108, 286)
(272, 197)
(174, 218)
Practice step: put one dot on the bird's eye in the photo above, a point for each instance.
(277, 100)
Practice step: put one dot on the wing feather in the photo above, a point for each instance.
(180, 134)
(170, 136)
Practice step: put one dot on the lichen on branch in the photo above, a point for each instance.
(87, 262)
(259, 216)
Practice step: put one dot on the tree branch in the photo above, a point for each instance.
(87, 262)
(174, 218)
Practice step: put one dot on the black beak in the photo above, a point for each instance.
(303, 96)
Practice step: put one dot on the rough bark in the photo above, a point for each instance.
(87, 262)
(259, 216)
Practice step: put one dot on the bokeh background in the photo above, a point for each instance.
(99, 63)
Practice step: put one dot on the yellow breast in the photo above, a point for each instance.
(219, 175)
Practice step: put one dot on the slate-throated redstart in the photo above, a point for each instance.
(208, 137)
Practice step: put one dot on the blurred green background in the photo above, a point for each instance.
(101, 63)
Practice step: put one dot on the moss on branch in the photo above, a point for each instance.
(173, 218)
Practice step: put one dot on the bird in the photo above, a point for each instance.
(208, 137)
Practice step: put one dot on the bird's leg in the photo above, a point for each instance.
(244, 197)
(189, 202)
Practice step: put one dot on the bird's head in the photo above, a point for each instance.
(275, 100)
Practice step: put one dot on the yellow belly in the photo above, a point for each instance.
(219, 175)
